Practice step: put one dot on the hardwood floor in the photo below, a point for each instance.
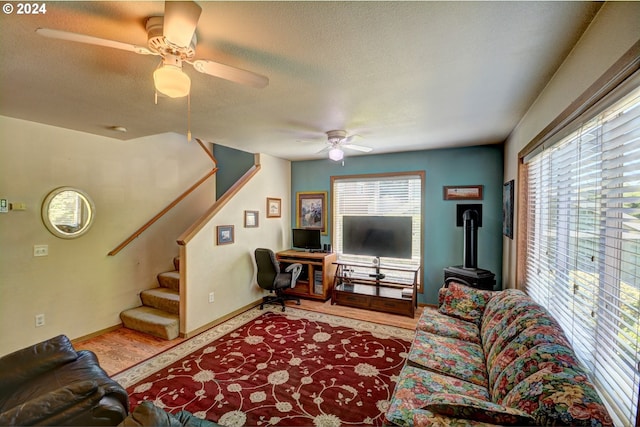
(122, 348)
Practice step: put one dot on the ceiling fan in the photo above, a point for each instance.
(173, 38)
(339, 139)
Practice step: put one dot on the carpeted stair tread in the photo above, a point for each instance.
(162, 298)
(152, 321)
(170, 279)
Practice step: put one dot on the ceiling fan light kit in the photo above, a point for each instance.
(170, 80)
(336, 154)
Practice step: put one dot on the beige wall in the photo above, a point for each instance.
(228, 270)
(78, 288)
(615, 29)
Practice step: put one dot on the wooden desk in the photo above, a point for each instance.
(318, 273)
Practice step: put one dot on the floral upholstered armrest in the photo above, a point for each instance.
(470, 408)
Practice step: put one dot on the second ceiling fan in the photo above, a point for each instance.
(337, 140)
(173, 38)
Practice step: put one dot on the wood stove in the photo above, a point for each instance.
(468, 273)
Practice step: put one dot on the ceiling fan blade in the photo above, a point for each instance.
(324, 150)
(83, 38)
(357, 147)
(180, 21)
(227, 72)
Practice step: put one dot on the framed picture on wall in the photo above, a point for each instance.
(462, 192)
(507, 209)
(274, 207)
(224, 234)
(311, 210)
(251, 219)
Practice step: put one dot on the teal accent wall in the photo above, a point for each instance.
(443, 241)
(232, 164)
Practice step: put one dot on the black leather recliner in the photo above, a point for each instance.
(50, 383)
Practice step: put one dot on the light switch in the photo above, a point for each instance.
(40, 250)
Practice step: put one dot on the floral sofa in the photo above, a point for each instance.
(486, 358)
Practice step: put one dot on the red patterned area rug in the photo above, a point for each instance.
(267, 368)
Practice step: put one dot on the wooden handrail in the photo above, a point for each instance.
(223, 200)
(170, 205)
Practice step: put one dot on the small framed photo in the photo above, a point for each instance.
(311, 210)
(251, 219)
(462, 192)
(224, 234)
(274, 207)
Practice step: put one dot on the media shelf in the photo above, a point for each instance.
(318, 272)
(376, 287)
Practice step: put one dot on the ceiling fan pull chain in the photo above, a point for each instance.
(189, 117)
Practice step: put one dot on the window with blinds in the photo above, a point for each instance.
(398, 194)
(583, 245)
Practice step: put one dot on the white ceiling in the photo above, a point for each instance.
(403, 75)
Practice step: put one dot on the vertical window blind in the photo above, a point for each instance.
(583, 245)
(393, 195)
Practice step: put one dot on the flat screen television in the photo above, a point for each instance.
(378, 236)
(304, 238)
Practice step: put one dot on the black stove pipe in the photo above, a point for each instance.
(470, 219)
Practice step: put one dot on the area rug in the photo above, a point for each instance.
(267, 368)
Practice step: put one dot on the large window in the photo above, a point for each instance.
(398, 194)
(582, 249)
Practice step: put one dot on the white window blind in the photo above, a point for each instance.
(397, 195)
(583, 246)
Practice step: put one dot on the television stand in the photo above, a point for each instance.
(376, 291)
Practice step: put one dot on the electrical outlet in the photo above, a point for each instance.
(39, 320)
(40, 250)
(211, 297)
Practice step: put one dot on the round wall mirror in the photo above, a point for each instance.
(68, 212)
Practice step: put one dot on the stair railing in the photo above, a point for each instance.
(223, 200)
(149, 223)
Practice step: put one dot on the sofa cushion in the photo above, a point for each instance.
(414, 387)
(498, 304)
(527, 339)
(437, 323)
(524, 324)
(449, 356)
(554, 357)
(515, 307)
(461, 406)
(559, 398)
(27, 363)
(426, 418)
(464, 302)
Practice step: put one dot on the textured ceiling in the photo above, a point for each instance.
(402, 75)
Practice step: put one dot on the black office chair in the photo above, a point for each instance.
(270, 277)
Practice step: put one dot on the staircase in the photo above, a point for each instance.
(159, 314)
